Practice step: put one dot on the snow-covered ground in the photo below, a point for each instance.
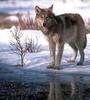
(36, 63)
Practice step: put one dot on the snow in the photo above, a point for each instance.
(39, 61)
(12, 18)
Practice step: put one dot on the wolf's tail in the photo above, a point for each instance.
(88, 30)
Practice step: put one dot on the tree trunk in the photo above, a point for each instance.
(22, 60)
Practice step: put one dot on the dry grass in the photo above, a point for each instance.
(25, 21)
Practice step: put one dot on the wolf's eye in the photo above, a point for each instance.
(42, 16)
(47, 17)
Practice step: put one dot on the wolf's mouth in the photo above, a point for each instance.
(44, 30)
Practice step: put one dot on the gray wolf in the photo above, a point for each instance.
(60, 29)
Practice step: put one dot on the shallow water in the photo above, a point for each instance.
(47, 87)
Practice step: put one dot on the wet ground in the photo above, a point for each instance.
(45, 86)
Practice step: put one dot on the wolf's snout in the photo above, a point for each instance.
(44, 24)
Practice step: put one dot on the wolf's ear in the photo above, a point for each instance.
(37, 10)
(50, 8)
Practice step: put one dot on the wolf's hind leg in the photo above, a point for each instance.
(73, 58)
(81, 46)
(81, 57)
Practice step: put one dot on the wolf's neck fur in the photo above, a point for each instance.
(58, 27)
(55, 28)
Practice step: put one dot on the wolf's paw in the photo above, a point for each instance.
(79, 63)
(53, 67)
(71, 61)
(50, 66)
(56, 67)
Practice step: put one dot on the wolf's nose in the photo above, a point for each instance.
(44, 24)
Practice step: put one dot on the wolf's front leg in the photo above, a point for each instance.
(60, 47)
(52, 47)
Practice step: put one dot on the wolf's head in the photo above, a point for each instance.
(45, 17)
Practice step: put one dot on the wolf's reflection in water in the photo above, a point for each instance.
(71, 90)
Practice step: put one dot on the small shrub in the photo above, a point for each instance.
(21, 48)
(32, 46)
